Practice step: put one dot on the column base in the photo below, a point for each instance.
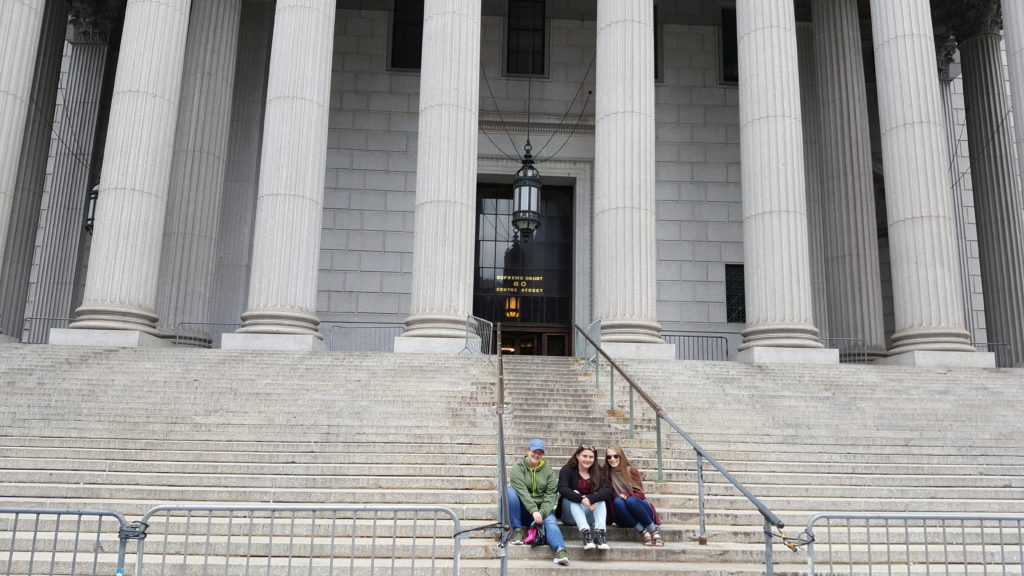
(774, 355)
(421, 345)
(639, 351)
(105, 338)
(280, 342)
(939, 359)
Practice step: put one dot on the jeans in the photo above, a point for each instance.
(520, 517)
(635, 512)
(583, 517)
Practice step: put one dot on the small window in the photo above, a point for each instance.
(407, 34)
(729, 48)
(735, 297)
(526, 37)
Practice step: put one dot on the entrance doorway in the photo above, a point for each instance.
(534, 343)
(526, 285)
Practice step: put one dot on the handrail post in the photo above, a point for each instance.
(503, 520)
(597, 372)
(702, 536)
(661, 466)
(611, 390)
(769, 560)
(631, 427)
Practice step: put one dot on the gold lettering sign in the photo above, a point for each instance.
(520, 284)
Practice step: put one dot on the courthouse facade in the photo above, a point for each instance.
(793, 176)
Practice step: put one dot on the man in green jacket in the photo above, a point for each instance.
(532, 496)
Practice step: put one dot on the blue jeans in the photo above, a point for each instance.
(583, 517)
(520, 517)
(635, 512)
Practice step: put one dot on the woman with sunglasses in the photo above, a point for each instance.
(584, 492)
(630, 507)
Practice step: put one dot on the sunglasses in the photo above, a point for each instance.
(587, 447)
(611, 456)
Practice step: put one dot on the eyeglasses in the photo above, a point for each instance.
(611, 456)
(587, 447)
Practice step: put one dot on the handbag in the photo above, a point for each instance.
(535, 536)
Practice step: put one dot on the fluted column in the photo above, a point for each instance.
(446, 166)
(945, 50)
(20, 28)
(74, 169)
(286, 246)
(197, 169)
(926, 288)
(625, 282)
(238, 206)
(998, 207)
(812, 173)
(16, 259)
(776, 258)
(121, 286)
(851, 246)
(60, 231)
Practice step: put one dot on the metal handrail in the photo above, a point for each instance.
(770, 519)
(33, 319)
(1001, 350)
(504, 524)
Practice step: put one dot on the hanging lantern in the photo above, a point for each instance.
(526, 197)
(512, 307)
(90, 211)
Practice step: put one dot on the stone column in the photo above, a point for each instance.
(281, 313)
(446, 173)
(21, 24)
(238, 206)
(118, 306)
(945, 51)
(16, 259)
(926, 288)
(998, 207)
(197, 170)
(851, 245)
(780, 325)
(812, 173)
(60, 231)
(625, 282)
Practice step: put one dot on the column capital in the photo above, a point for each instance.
(93, 21)
(945, 49)
(966, 19)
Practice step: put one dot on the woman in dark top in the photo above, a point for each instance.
(630, 507)
(584, 493)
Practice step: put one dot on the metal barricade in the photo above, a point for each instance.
(36, 329)
(915, 544)
(286, 540)
(362, 336)
(851, 350)
(51, 541)
(202, 334)
(479, 336)
(697, 346)
(1002, 352)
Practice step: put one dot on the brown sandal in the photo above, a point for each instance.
(648, 539)
(656, 539)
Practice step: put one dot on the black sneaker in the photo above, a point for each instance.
(588, 540)
(601, 539)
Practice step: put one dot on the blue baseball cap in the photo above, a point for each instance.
(537, 444)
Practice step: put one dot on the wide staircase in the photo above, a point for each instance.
(129, 429)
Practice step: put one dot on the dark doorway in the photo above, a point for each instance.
(525, 285)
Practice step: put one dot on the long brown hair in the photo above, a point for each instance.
(624, 466)
(596, 477)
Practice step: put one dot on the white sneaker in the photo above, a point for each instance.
(561, 557)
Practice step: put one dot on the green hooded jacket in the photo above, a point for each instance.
(537, 489)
